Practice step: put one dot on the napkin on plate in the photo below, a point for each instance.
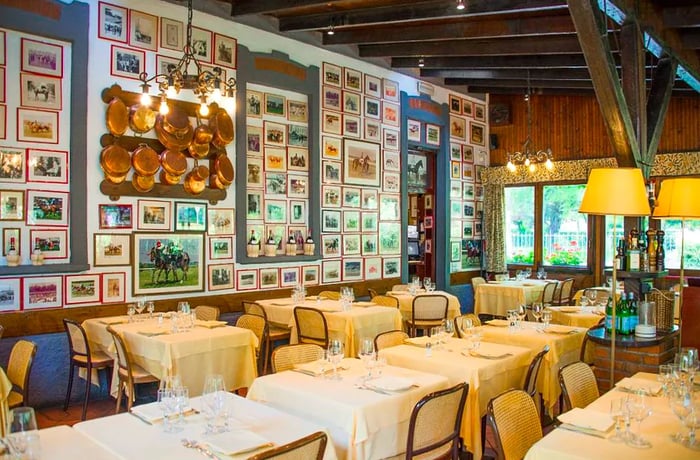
(498, 323)
(236, 442)
(390, 383)
(314, 368)
(587, 421)
(153, 331)
(114, 320)
(418, 341)
(151, 413)
(363, 304)
(633, 384)
(210, 324)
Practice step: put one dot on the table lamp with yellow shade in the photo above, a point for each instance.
(615, 192)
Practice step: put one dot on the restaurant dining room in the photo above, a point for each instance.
(436, 229)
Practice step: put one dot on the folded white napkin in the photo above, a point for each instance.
(151, 413)
(498, 323)
(485, 354)
(363, 304)
(114, 320)
(557, 329)
(418, 341)
(633, 384)
(153, 331)
(316, 368)
(236, 442)
(210, 324)
(390, 383)
(587, 419)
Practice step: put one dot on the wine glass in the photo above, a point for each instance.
(182, 402)
(140, 306)
(213, 402)
(22, 433)
(367, 354)
(131, 311)
(638, 410)
(680, 400)
(167, 404)
(537, 311)
(620, 414)
(592, 296)
(449, 326)
(336, 353)
(426, 282)
(546, 318)
(522, 313)
(150, 307)
(692, 422)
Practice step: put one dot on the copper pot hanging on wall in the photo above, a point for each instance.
(222, 173)
(117, 117)
(222, 125)
(115, 162)
(195, 181)
(141, 118)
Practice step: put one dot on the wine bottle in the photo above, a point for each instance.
(13, 249)
(634, 238)
(253, 240)
(608, 315)
(270, 238)
(634, 313)
(309, 238)
(291, 240)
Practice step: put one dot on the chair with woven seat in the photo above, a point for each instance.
(330, 295)
(81, 356)
(434, 426)
(563, 295)
(400, 288)
(513, 418)
(372, 293)
(461, 321)
(285, 357)
(274, 333)
(427, 311)
(389, 339)
(584, 355)
(476, 281)
(206, 313)
(548, 293)
(129, 373)
(311, 447)
(19, 368)
(386, 301)
(578, 385)
(258, 326)
(311, 326)
(530, 385)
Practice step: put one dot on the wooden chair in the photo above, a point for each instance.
(19, 368)
(530, 385)
(258, 325)
(389, 339)
(311, 326)
(578, 385)
(372, 293)
(548, 293)
(426, 311)
(206, 313)
(386, 301)
(513, 417)
(81, 356)
(460, 322)
(286, 356)
(434, 426)
(584, 345)
(309, 447)
(2, 330)
(476, 281)
(399, 288)
(130, 374)
(274, 333)
(330, 295)
(563, 294)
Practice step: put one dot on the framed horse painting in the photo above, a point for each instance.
(417, 171)
(167, 262)
(361, 162)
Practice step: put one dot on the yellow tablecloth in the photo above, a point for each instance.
(486, 378)
(363, 424)
(5, 388)
(192, 355)
(497, 297)
(406, 303)
(576, 316)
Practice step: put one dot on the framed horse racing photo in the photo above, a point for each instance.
(361, 162)
(167, 262)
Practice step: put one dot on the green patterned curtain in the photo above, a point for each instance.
(495, 227)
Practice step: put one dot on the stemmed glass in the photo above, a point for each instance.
(546, 318)
(592, 296)
(522, 313)
(140, 306)
(681, 402)
(22, 433)
(537, 311)
(150, 307)
(336, 353)
(367, 355)
(692, 422)
(426, 283)
(131, 311)
(638, 410)
(168, 405)
(213, 402)
(449, 326)
(620, 414)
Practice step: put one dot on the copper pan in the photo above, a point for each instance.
(176, 122)
(141, 118)
(173, 162)
(115, 179)
(117, 117)
(145, 160)
(198, 151)
(171, 141)
(115, 160)
(222, 125)
(143, 183)
(223, 169)
(195, 181)
(169, 179)
(203, 134)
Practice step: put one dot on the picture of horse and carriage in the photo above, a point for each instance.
(168, 263)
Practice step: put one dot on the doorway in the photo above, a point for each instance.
(421, 225)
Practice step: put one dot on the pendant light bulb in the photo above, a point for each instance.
(145, 99)
(164, 109)
(531, 167)
(229, 105)
(171, 91)
(460, 5)
(510, 166)
(548, 164)
(204, 108)
(216, 95)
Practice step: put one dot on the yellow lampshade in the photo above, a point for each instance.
(615, 191)
(678, 199)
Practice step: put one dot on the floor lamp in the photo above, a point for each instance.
(678, 199)
(615, 192)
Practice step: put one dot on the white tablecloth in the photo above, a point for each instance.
(577, 316)
(406, 302)
(497, 297)
(64, 443)
(363, 424)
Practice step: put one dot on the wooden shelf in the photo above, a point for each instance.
(114, 191)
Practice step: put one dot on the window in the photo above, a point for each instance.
(610, 249)
(672, 243)
(564, 229)
(520, 225)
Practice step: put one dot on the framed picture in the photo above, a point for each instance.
(254, 140)
(3, 91)
(42, 58)
(171, 34)
(477, 173)
(164, 63)
(455, 103)
(309, 275)
(269, 278)
(373, 86)
(253, 103)
(2, 47)
(479, 214)
(220, 247)
(455, 169)
(10, 294)
(298, 232)
(455, 228)
(127, 62)
(332, 74)
(479, 112)
(112, 249)
(115, 216)
(143, 30)
(417, 171)
(11, 205)
(331, 123)
(332, 147)
(391, 139)
(332, 98)
(352, 269)
(351, 221)
(297, 212)
(352, 79)
(467, 229)
(414, 130)
(275, 105)
(38, 126)
(113, 23)
(276, 185)
(428, 201)
(372, 108)
(220, 221)
(154, 215)
(390, 238)
(331, 271)
(479, 192)
(190, 217)
(10, 238)
(369, 244)
(391, 161)
(455, 190)
(246, 280)
(468, 172)
(455, 152)
(201, 44)
(330, 220)
(481, 157)
(477, 133)
(297, 186)
(167, 263)
(391, 182)
(42, 292)
(220, 276)
(467, 154)
(275, 211)
(477, 229)
(467, 108)
(3, 121)
(432, 134)
(298, 136)
(469, 209)
(12, 165)
(275, 134)
(331, 171)
(370, 221)
(40, 91)
(113, 287)
(391, 267)
(372, 130)
(351, 197)
(225, 51)
(297, 159)
(47, 207)
(467, 191)
(373, 268)
(330, 245)
(455, 251)
(351, 102)
(82, 289)
(428, 221)
(289, 276)
(389, 208)
(458, 128)
(390, 113)
(370, 198)
(428, 245)
(50, 166)
(361, 162)
(254, 176)
(351, 126)
(254, 205)
(297, 111)
(390, 90)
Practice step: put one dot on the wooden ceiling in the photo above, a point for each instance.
(491, 46)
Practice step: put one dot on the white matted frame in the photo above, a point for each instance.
(127, 62)
(113, 287)
(154, 214)
(52, 243)
(220, 221)
(309, 275)
(47, 208)
(10, 294)
(190, 217)
(220, 247)
(332, 74)
(289, 276)
(40, 91)
(225, 52)
(143, 30)
(42, 292)
(362, 162)
(373, 268)
(352, 269)
(50, 166)
(269, 278)
(81, 289)
(38, 126)
(331, 271)
(112, 249)
(390, 90)
(391, 267)
(171, 34)
(220, 276)
(113, 22)
(246, 280)
(12, 165)
(42, 58)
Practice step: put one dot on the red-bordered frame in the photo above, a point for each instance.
(125, 25)
(28, 282)
(120, 278)
(27, 66)
(30, 219)
(70, 299)
(210, 276)
(309, 268)
(62, 179)
(113, 64)
(284, 270)
(38, 140)
(63, 242)
(268, 286)
(212, 242)
(102, 212)
(240, 273)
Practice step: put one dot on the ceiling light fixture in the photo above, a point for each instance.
(207, 85)
(461, 5)
(331, 30)
(421, 63)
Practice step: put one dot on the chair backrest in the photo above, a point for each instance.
(372, 293)
(255, 324)
(389, 339)
(548, 292)
(309, 447)
(515, 423)
(429, 307)
(330, 295)
(19, 367)
(254, 308)
(311, 326)
(77, 339)
(578, 385)
(460, 323)
(206, 313)
(435, 423)
(285, 357)
(477, 280)
(584, 345)
(530, 385)
(501, 277)
(386, 301)
(123, 358)
(2, 330)
(399, 287)
(563, 296)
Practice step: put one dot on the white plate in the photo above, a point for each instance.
(390, 383)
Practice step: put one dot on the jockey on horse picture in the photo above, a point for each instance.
(168, 259)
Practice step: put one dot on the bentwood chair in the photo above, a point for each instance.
(584, 355)
(513, 417)
(258, 326)
(563, 294)
(399, 288)
(81, 356)
(530, 385)
(389, 339)
(206, 313)
(476, 281)
(461, 321)
(548, 293)
(19, 367)
(427, 311)
(372, 293)
(311, 447)
(386, 301)
(434, 426)
(129, 373)
(578, 385)
(285, 357)
(311, 326)
(274, 333)
(330, 295)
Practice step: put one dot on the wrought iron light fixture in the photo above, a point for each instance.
(207, 85)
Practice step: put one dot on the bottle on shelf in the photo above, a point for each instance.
(660, 252)
(12, 256)
(291, 239)
(270, 245)
(608, 315)
(309, 245)
(253, 247)
(634, 238)
(270, 238)
(620, 259)
(253, 239)
(309, 238)
(632, 306)
(623, 315)
(291, 245)
(643, 254)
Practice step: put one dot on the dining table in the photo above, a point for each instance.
(580, 316)
(362, 320)
(406, 302)
(497, 297)
(658, 428)
(210, 347)
(252, 428)
(367, 419)
(489, 370)
(65, 443)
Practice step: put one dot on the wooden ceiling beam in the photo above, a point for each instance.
(521, 83)
(566, 61)
(242, 7)
(520, 91)
(684, 16)
(657, 103)
(506, 74)
(634, 86)
(690, 38)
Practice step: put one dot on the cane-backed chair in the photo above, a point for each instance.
(389, 339)
(476, 281)
(578, 385)
(206, 313)
(548, 293)
(400, 288)
(461, 321)
(285, 357)
(330, 295)
(372, 293)
(513, 417)
(311, 326)
(19, 368)
(274, 333)
(258, 326)
(530, 384)
(386, 301)
(427, 311)
(563, 294)
(311, 447)
(585, 355)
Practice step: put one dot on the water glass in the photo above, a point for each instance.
(182, 403)
(140, 306)
(22, 433)
(537, 311)
(665, 377)
(367, 354)
(522, 313)
(131, 311)
(638, 411)
(546, 319)
(184, 307)
(512, 317)
(150, 307)
(620, 414)
(681, 401)
(336, 353)
(427, 282)
(168, 406)
(449, 326)
(591, 295)
(214, 404)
